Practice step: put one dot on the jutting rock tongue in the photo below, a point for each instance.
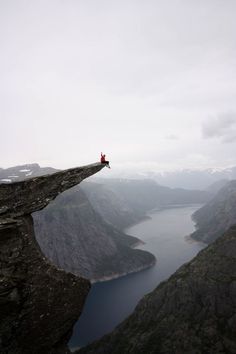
(28, 196)
(39, 304)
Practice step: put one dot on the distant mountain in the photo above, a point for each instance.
(121, 202)
(216, 186)
(195, 179)
(217, 215)
(21, 172)
(186, 178)
(143, 195)
(192, 312)
(111, 205)
(81, 230)
(76, 238)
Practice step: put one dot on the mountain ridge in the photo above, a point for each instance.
(76, 238)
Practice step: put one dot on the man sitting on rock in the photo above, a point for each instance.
(103, 160)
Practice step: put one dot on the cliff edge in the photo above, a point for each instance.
(39, 303)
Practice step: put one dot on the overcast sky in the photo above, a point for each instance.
(152, 83)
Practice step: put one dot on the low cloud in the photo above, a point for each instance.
(223, 127)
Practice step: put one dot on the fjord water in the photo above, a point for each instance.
(110, 302)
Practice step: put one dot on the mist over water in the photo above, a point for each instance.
(111, 302)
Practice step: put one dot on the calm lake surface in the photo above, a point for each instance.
(109, 303)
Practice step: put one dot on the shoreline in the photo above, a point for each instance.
(138, 243)
(143, 218)
(188, 238)
(120, 275)
(174, 206)
(148, 214)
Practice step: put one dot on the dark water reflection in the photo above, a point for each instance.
(111, 302)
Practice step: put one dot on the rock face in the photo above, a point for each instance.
(193, 312)
(111, 205)
(82, 235)
(214, 218)
(76, 238)
(39, 304)
(215, 187)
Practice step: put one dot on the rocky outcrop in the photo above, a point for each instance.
(214, 218)
(192, 313)
(38, 302)
(80, 231)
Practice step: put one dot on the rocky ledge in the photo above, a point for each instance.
(39, 303)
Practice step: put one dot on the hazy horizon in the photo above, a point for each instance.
(152, 84)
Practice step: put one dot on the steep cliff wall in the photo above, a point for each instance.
(193, 312)
(38, 303)
(214, 218)
(76, 238)
(111, 205)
